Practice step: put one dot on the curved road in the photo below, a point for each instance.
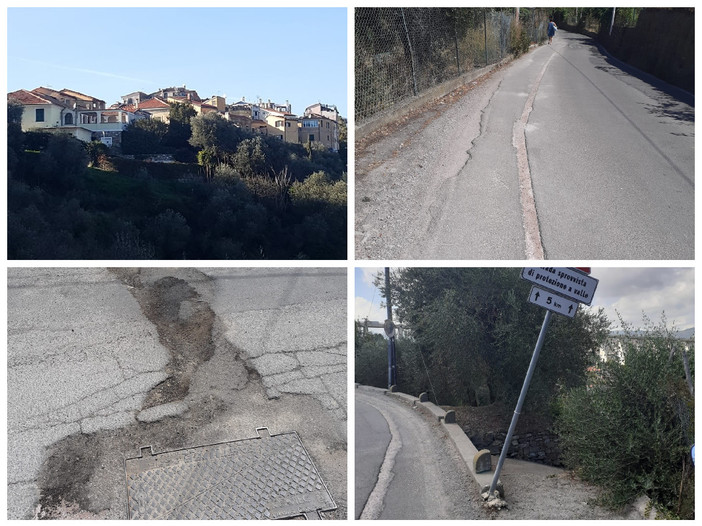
(563, 154)
(405, 466)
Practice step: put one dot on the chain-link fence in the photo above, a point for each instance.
(401, 52)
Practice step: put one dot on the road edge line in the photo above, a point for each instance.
(530, 219)
(374, 503)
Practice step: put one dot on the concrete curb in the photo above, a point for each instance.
(464, 446)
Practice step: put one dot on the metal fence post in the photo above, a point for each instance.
(455, 37)
(409, 43)
(485, 26)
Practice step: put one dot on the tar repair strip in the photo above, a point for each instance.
(268, 477)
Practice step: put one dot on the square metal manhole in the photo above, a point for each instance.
(267, 477)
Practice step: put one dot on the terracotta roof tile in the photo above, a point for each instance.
(27, 97)
(153, 104)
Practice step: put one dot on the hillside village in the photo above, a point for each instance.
(168, 175)
(87, 118)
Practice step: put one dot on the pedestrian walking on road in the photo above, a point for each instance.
(552, 28)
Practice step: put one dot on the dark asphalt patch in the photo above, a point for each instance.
(268, 477)
(184, 323)
(83, 468)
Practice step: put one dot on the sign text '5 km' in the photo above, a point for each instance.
(553, 302)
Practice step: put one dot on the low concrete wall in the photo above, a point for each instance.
(402, 109)
(542, 446)
(464, 446)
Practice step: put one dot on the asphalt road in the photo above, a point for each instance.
(102, 362)
(563, 154)
(405, 466)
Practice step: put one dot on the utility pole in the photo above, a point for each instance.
(614, 12)
(390, 333)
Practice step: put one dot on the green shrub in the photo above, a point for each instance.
(518, 40)
(631, 430)
(371, 362)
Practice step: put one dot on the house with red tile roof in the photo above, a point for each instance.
(69, 111)
(156, 108)
(43, 111)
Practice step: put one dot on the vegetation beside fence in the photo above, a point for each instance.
(401, 52)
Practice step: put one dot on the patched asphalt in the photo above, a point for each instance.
(91, 353)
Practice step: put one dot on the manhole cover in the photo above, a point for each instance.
(268, 477)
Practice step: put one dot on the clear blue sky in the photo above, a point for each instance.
(629, 291)
(295, 54)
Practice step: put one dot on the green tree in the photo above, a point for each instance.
(250, 159)
(476, 333)
(15, 137)
(144, 136)
(630, 431)
(211, 130)
(371, 358)
(208, 159)
(169, 232)
(179, 128)
(343, 140)
(97, 154)
(63, 160)
(317, 188)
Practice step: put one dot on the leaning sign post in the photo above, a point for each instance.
(558, 290)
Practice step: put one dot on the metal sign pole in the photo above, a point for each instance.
(520, 402)
(389, 331)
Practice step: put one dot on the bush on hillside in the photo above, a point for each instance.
(631, 430)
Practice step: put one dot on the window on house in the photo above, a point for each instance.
(39, 115)
(311, 137)
(69, 119)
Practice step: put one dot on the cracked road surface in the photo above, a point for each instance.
(406, 467)
(562, 154)
(102, 362)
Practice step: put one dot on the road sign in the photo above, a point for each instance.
(568, 282)
(389, 328)
(553, 302)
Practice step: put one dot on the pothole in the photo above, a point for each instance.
(184, 323)
(80, 472)
(78, 477)
(210, 395)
